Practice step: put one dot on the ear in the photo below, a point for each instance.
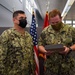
(61, 17)
(13, 19)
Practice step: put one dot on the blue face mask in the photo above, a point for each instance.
(23, 23)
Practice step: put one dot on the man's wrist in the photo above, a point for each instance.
(70, 49)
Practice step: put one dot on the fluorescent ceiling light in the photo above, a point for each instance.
(67, 8)
(73, 25)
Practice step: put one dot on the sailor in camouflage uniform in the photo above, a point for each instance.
(58, 63)
(16, 48)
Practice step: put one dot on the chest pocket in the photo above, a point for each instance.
(64, 38)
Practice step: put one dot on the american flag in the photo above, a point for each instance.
(33, 33)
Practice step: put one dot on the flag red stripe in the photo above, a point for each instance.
(36, 50)
(36, 60)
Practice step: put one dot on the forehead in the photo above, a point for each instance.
(21, 15)
(55, 19)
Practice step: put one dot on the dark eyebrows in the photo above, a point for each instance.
(23, 18)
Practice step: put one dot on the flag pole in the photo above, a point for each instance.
(41, 55)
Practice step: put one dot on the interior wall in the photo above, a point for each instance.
(6, 9)
(39, 19)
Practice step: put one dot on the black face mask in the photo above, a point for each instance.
(23, 23)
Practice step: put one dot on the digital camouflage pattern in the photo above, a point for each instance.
(56, 63)
(16, 53)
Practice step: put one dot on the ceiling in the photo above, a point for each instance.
(71, 13)
(55, 4)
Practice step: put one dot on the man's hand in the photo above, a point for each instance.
(65, 51)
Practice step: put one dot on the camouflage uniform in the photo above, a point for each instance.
(16, 53)
(58, 64)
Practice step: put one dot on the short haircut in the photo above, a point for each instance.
(18, 12)
(53, 13)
